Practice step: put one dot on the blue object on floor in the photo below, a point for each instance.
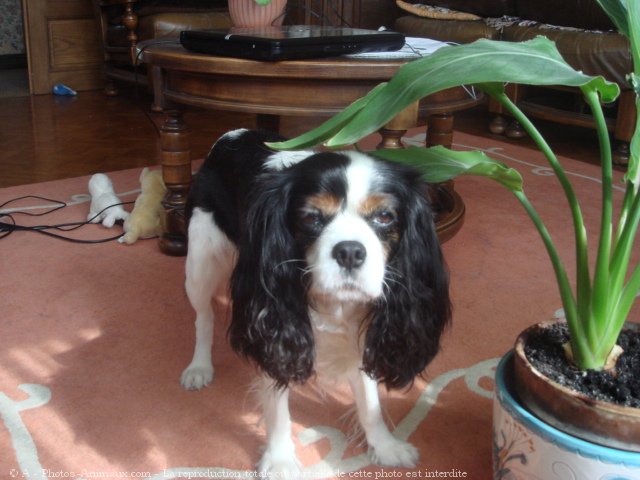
(60, 89)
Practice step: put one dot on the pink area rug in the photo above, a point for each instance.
(94, 338)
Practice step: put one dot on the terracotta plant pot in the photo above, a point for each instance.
(570, 411)
(247, 13)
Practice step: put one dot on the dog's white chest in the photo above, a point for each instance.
(338, 339)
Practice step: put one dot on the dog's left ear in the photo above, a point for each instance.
(404, 331)
(270, 322)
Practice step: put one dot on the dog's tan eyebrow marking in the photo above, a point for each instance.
(376, 202)
(324, 202)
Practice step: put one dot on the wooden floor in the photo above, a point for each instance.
(46, 137)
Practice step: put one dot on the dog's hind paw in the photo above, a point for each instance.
(196, 377)
(394, 453)
(271, 467)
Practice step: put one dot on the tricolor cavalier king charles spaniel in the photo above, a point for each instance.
(335, 272)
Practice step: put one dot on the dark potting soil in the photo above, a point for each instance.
(622, 386)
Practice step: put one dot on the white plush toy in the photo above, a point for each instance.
(147, 217)
(103, 196)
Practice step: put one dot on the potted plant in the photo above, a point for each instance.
(597, 307)
(257, 13)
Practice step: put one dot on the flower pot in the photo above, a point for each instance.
(247, 13)
(573, 412)
(525, 447)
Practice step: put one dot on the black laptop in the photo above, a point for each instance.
(290, 42)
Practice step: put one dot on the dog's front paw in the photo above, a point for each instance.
(394, 453)
(275, 467)
(197, 376)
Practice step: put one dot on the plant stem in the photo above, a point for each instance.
(625, 302)
(583, 282)
(600, 294)
(581, 349)
(629, 195)
(619, 265)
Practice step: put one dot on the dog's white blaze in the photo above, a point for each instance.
(366, 282)
(361, 174)
(282, 160)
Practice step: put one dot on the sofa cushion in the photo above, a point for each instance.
(484, 8)
(440, 13)
(567, 13)
(595, 53)
(455, 31)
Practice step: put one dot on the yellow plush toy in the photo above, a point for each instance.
(147, 217)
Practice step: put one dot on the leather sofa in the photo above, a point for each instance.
(124, 23)
(585, 37)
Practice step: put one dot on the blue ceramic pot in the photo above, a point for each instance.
(525, 447)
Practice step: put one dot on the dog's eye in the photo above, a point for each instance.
(383, 218)
(311, 220)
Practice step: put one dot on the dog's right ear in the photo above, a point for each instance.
(270, 322)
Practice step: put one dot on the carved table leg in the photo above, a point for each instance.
(176, 172)
(447, 204)
(393, 131)
(440, 130)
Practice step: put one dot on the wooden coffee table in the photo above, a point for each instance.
(319, 87)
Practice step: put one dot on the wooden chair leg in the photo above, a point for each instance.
(156, 82)
(515, 130)
(111, 89)
(625, 126)
(502, 124)
(130, 21)
(498, 125)
(621, 154)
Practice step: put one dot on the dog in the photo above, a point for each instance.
(335, 273)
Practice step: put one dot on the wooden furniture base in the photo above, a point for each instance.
(563, 105)
(321, 87)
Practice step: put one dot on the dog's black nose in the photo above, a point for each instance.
(349, 254)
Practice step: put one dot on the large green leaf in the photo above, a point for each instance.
(439, 164)
(633, 171)
(328, 128)
(617, 12)
(535, 62)
(633, 25)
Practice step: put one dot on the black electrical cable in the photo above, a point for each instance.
(8, 228)
(36, 197)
